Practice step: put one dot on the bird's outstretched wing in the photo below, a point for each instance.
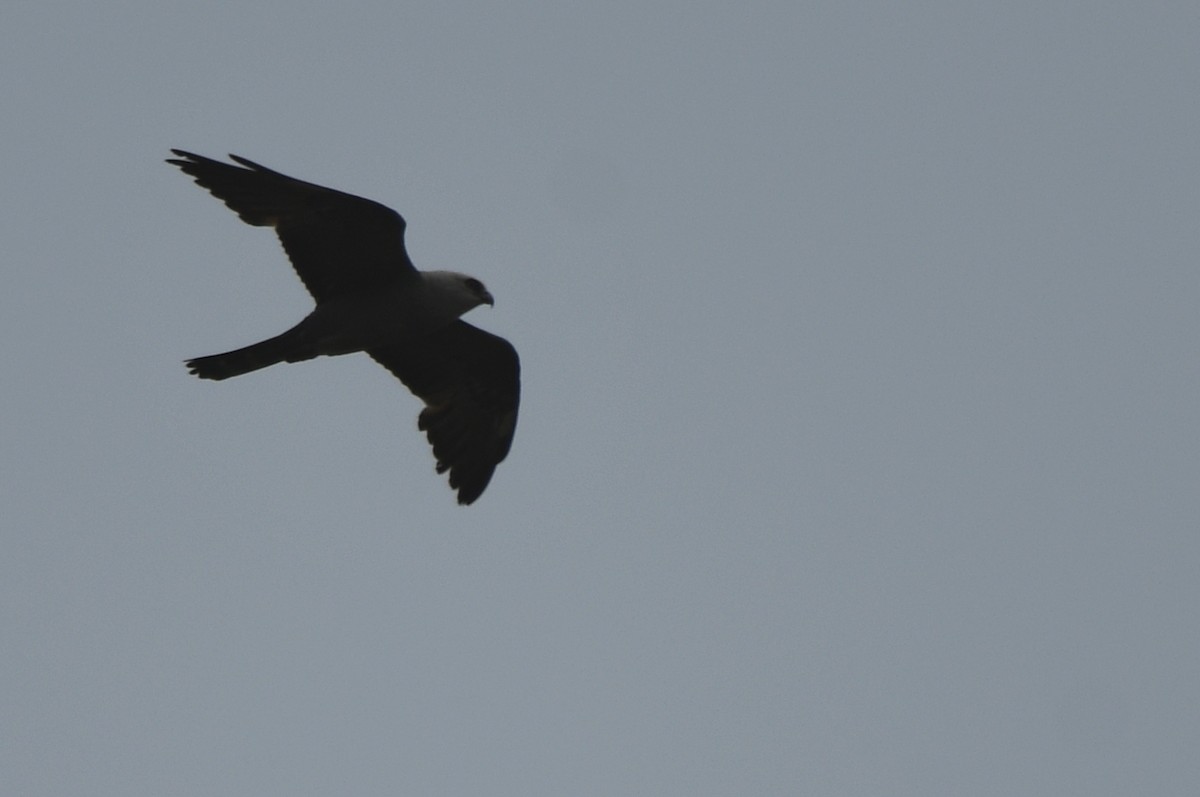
(339, 243)
(470, 381)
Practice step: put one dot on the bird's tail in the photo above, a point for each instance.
(282, 348)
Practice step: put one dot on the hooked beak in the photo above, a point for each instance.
(488, 300)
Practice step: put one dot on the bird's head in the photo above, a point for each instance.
(457, 293)
(478, 290)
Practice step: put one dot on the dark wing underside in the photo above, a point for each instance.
(338, 243)
(470, 381)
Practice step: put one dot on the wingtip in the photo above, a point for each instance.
(466, 497)
(185, 158)
(249, 164)
(468, 489)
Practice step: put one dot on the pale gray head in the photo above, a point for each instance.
(456, 293)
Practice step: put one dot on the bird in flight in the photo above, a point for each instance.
(349, 252)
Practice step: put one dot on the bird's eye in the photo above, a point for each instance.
(474, 284)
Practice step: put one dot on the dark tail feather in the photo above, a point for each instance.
(243, 361)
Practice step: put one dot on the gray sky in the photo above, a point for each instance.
(859, 447)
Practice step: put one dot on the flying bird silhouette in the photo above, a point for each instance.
(349, 252)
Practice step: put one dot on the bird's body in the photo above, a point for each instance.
(398, 314)
(350, 254)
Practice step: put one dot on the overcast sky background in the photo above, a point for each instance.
(860, 440)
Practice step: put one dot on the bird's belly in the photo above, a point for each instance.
(355, 323)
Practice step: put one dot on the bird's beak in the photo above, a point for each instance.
(488, 300)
